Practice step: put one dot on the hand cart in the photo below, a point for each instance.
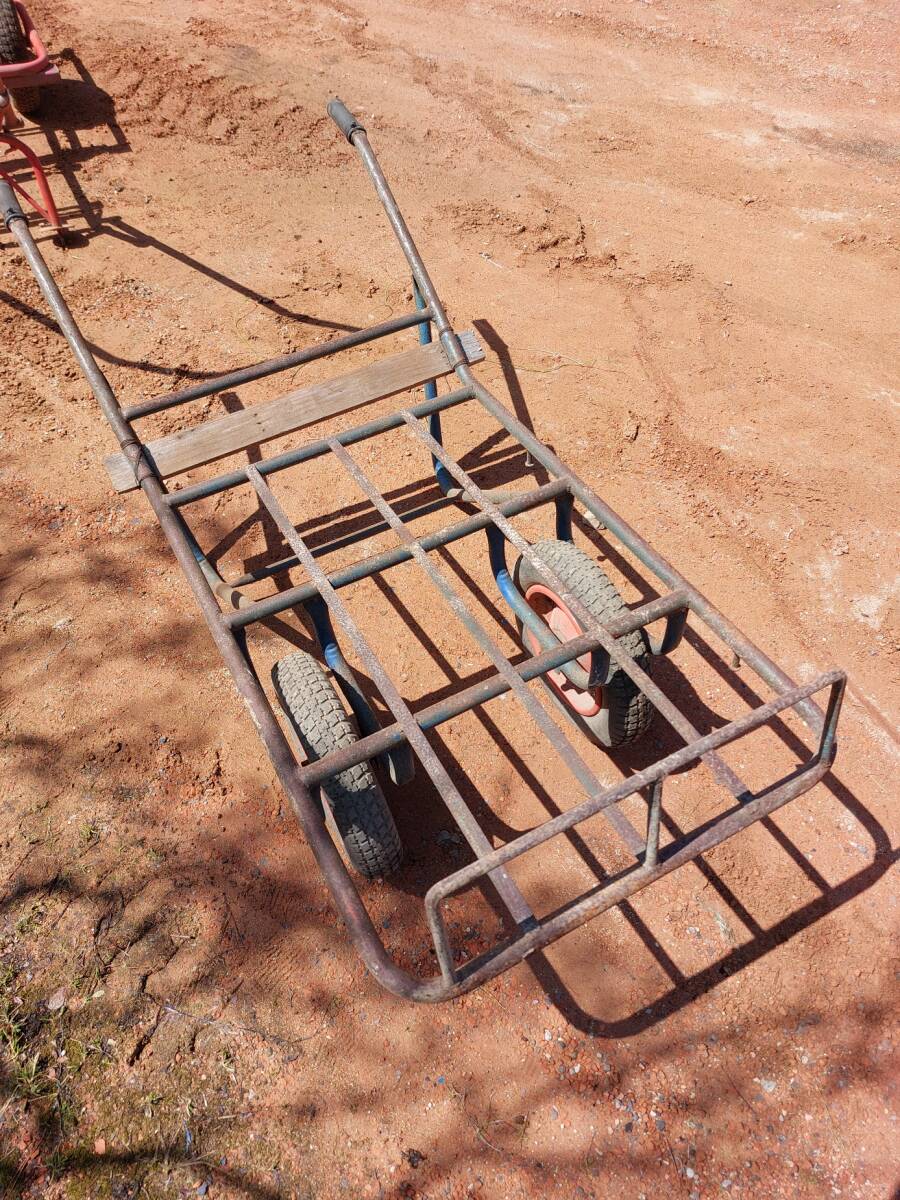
(594, 653)
(25, 68)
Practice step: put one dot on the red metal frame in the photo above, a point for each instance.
(35, 71)
(48, 210)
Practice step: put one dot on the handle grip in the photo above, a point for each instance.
(344, 119)
(10, 209)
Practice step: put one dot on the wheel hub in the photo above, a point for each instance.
(556, 615)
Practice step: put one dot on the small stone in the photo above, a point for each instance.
(57, 1000)
(660, 1124)
(100, 1145)
(631, 428)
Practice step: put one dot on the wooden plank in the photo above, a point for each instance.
(214, 439)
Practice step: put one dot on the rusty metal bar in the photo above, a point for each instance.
(493, 963)
(258, 610)
(466, 876)
(462, 814)
(485, 690)
(654, 812)
(723, 773)
(548, 727)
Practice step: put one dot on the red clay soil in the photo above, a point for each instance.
(674, 228)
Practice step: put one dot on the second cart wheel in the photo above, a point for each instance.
(14, 49)
(618, 712)
(356, 802)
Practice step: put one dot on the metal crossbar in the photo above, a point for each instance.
(291, 458)
(271, 366)
(291, 597)
(487, 689)
(586, 619)
(509, 892)
(320, 594)
(716, 831)
(533, 707)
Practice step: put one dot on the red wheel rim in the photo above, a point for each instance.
(556, 615)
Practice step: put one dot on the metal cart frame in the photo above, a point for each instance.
(37, 71)
(229, 613)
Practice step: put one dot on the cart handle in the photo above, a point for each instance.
(344, 119)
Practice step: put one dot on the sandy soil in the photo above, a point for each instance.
(675, 229)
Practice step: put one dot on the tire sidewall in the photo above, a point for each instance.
(595, 728)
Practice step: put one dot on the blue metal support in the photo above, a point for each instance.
(564, 517)
(444, 479)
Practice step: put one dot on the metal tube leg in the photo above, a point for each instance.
(445, 482)
(651, 853)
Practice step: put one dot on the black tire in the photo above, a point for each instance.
(625, 712)
(356, 803)
(13, 48)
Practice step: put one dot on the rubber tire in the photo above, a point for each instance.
(626, 712)
(13, 48)
(357, 805)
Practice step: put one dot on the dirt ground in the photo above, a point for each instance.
(675, 229)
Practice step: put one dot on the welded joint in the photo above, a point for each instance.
(456, 356)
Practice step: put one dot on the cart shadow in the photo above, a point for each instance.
(69, 109)
(517, 396)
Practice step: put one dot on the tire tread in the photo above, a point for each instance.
(630, 712)
(357, 803)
